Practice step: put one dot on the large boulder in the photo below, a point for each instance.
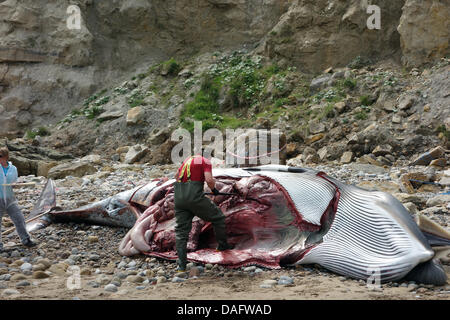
(76, 169)
(136, 153)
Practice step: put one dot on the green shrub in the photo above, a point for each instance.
(327, 112)
(362, 115)
(172, 66)
(331, 95)
(94, 97)
(136, 99)
(153, 88)
(365, 100)
(359, 62)
(90, 99)
(442, 129)
(244, 76)
(102, 101)
(41, 131)
(92, 113)
(205, 108)
(350, 83)
(76, 112)
(271, 70)
(281, 102)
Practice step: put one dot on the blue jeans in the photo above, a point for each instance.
(11, 207)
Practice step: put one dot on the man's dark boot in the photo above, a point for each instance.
(29, 243)
(226, 246)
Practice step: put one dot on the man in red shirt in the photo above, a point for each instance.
(190, 201)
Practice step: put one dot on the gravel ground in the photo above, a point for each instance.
(80, 261)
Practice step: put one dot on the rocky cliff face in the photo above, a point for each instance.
(315, 35)
(46, 68)
(425, 29)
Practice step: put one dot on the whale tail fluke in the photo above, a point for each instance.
(45, 203)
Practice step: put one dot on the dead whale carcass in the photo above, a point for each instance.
(279, 216)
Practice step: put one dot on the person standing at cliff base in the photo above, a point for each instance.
(8, 202)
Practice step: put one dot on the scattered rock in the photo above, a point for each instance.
(26, 267)
(102, 279)
(92, 158)
(412, 287)
(320, 82)
(135, 153)
(439, 200)
(385, 186)
(94, 257)
(18, 277)
(110, 115)
(347, 157)
(93, 284)
(409, 181)
(268, 284)
(111, 288)
(40, 275)
(39, 267)
(93, 239)
(317, 127)
(382, 150)
(340, 107)
(161, 280)
(250, 269)
(441, 162)
(314, 138)
(178, 279)
(24, 283)
(445, 179)
(159, 136)
(10, 292)
(322, 153)
(411, 207)
(434, 211)
(135, 279)
(397, 118)
(5, 277)
(405, 197)
(135, 116)
(285, 280)
(426, 158)
(406, 103)
(367, 168)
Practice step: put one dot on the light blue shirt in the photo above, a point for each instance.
(5, 170)
(9, 177)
